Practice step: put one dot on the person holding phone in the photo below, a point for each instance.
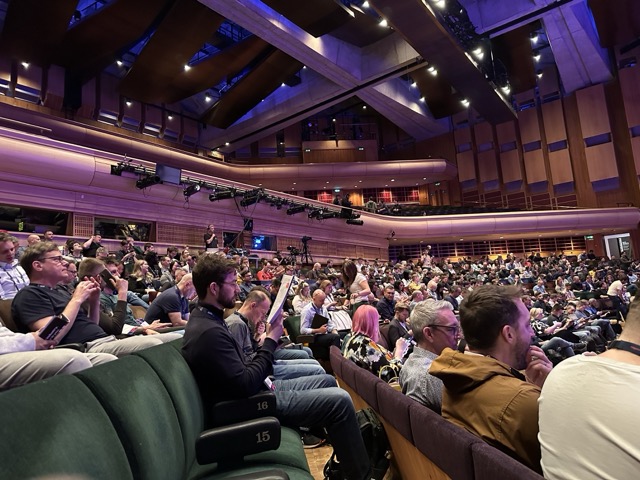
(27, 357)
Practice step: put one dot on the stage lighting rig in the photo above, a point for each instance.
(191, 190)
(353, 221)
(292, 210)
(252, 196)
(222, 195)
(148, 181)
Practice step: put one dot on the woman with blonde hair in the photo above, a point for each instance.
(361, 346)
(141, 279)
(302, 298)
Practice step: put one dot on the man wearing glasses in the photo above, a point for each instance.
(434, 328)
(485, 391)
(223, 373)
(37, 303)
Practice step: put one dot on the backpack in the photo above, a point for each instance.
(375, 441)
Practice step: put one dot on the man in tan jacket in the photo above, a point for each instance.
(485, 392)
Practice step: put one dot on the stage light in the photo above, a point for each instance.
(251, 197)
(315, 213)
(221, 195)
(148, 181)
(295, 209)
(191, 190)
(353, 221)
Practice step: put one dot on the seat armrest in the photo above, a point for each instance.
(270, 474)
(229, 443)
(232, 411)
(305, 339)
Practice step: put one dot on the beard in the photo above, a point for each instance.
(227, 300)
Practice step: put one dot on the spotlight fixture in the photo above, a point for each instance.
(128, 103)
(251, 197)
(353, 221)
(187, 67)
(328, 214)
(207, 98)
(539, 73)
(506, 89)
(365, 4)
(464, 102)
(537, 56)
(148, 181)
(221, 195)
(432, 70)
(383, 23)
(315, 213)
(25, 64)
(119, 63)
(534, 38)
(478, 53)
(295, 209)
(191, 190)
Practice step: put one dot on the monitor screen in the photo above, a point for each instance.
(168, 174)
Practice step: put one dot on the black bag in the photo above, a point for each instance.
(375, 441)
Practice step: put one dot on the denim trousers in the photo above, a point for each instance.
(317, 402)
(292, 353)
(286, 369)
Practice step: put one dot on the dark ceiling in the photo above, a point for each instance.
(160, 39)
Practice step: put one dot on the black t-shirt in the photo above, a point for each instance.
(92, 250)
(170, 301)
(212, 244)
(38, 301)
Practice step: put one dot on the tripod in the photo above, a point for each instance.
(305, 256)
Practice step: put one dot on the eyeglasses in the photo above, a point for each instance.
(57, 259)
(453, 329)
(228, 283)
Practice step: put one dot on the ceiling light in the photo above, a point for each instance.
(128, 103)
(169, 117)
(422, 99)
(534, 38)
(537, 56)
(432, 70)
(187, 67)
(383, 23)
(478, 53)
(440, 4)
(333, 119)
(506, 89)
(365, 4)
(414, 84)
(539, 74)
(364, 107)
(327, 182)
(25, 64)
(464, 102)
(226, 144)
(207, 98)
(283, 85)
(359, 181)
(119, 63)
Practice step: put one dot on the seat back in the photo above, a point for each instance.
(292, 324)
(384, 336)
(169, 365)
(143, 414)
(5, 315)
(50, 428)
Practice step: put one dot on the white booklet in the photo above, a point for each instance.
(278, 303)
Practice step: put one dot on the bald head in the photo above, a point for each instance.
(318, 297)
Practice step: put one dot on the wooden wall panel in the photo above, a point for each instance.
(483, 133)
(534, 166)
(487, 166)
(553, 117)
(635, 146)
(506, 132)
(592, 108)
(529, 127)
(560, 164)
(630, 85)
(466, 166)
(601, 161)
(511, 169)
(462, 136)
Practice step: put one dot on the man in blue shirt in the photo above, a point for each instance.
(325, 335)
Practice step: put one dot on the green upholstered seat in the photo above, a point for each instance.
(58, 427)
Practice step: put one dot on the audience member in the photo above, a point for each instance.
(484, 390)
(435, 327)
(172, 305)
(222, 374)
(580, 440)
(12, 276)
(325, 335)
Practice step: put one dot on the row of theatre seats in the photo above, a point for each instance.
(142, 417)
(423, 444)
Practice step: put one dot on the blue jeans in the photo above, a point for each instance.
(560, 345)
(286, 369)
(292, 353)
(317, 402)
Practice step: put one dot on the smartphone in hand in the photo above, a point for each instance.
(53, 327)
